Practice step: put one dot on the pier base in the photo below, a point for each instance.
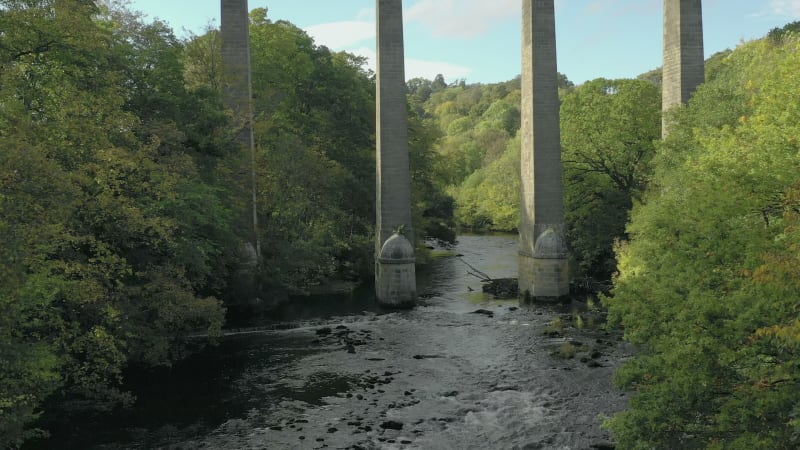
(396, 280)
(543, 280)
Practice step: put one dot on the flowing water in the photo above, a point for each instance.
(341, 373)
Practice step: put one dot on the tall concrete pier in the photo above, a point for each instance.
(237, 83)
(684, 68)
(543, 258)
(238, 87)
(395, 279)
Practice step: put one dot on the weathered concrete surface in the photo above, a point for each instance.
(236, 63)
(397, 272)
(393, 203)
(684, 68)
(238, 87)
(542, 187)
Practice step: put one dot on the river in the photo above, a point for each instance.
(339, 372)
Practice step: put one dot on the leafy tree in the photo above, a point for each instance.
(316, 156)
(439, 83)
(202, 61)
(106, 263)
(654, 76)
(30, 219)
(120, 192)
(432, 208)
(777, 34)
(489, 198)
(707, 283)
(315, 114)
(608, 129)
(479, 124)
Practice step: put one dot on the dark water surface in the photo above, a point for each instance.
(339, 372)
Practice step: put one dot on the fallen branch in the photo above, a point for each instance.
(475, 272)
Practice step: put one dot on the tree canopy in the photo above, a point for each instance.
(123, 203)
(102, 264)
(708, 283)
(607, 131)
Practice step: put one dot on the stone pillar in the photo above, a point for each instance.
(236, 62)
(393, 178)
(543, 258)
(238, 88)
(684, 65)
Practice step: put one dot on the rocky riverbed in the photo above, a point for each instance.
(460, 371)
(436, 380)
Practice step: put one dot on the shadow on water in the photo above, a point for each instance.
(208, 388)
(217, 384)
(325, 306)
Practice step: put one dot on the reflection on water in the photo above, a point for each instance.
(326, 306)
(448, 282)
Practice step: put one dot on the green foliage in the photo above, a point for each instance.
(122, 200)
(30, 369)
(315, 156)
(478, 124)
(432, 208)
(489, 198)
(778, 34)
(654, 76)
(106, 260)
(315, 136)
(708, 284)
(567, 350)
(608, 128)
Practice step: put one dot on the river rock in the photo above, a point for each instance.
(502, 287)
(392, 425)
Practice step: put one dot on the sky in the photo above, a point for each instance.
(479, 41)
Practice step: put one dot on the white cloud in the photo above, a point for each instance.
(418, 68)
(339, 35)
(366, 14)
(623, 8)
(789, 8)
(358, 36)
(461, 18)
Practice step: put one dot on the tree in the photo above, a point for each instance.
(315, 156)
(432, 207)
(315, 114)
(478, 149)
(707, 283)
(608, 129)
(119, 192)
(107, 264)
(488, 199)
(29, 223)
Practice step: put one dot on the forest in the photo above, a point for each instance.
(124, 205)
(124, 193)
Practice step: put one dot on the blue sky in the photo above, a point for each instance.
(479, 40)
